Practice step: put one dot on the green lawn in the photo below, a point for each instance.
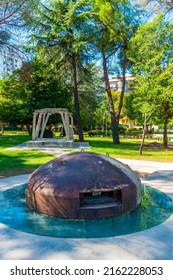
(13, 162)
(129, 148)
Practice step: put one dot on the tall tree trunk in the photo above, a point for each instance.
(123, 87)
(114, 123)
(166, 120)
(76, 98)
(143, 135)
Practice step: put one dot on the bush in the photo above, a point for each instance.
(109, 133)
(122, 129)
(133, 130)
(92, 133)
(12, 128)
(99, 133)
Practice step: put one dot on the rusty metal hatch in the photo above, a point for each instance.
(103, 198)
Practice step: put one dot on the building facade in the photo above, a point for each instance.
(9, 61)
(116, 85)
(116, 82)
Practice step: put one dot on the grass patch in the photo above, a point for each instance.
(14, 162)
(129, 148)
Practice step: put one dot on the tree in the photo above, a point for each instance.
(13, 108)
(34, 86)
(90, 91)
(101, 112)
(151, 52)
(164, 81)
(117, 26)
(14, 18)
(141, 103)
(63, 28)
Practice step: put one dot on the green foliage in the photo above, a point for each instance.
(90, 91)
(92, 133)
(99, 133)
(122, 129)
(121, 18)
(13, 108)
(153, 41)
(115, 22)
(14, 19)
(63, 33)
(116, 99)
(73, 33)
(44, 88)
(151, 52)
(33, 87)
(61, 30)
(101, 112)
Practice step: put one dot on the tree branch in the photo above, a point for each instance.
(11, 13)
(113, 52)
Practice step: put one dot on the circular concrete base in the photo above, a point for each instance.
(155, 208)
(83, 186)
(152, 244)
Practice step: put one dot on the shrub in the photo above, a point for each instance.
(92, 133)
(122, 129)
(99, 133)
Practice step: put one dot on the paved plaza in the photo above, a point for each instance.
(151, 244)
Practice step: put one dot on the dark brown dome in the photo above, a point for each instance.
(83, 186)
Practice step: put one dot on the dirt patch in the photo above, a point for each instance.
(153, 144)
(157, 145)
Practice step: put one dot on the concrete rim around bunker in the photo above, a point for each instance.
(154, 209)
(151, 207)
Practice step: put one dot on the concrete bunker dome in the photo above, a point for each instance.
(83, 185)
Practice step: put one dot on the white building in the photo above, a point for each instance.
(9, 61)
(116, 85)
(116, 82)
